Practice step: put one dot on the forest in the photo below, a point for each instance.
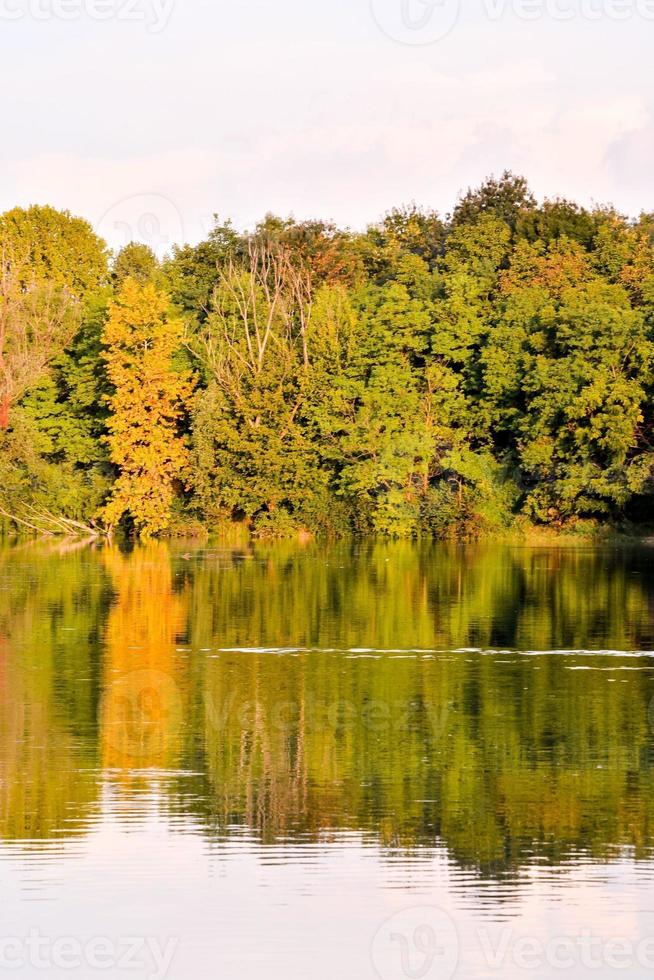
(486, 371)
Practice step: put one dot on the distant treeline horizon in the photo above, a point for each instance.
(449, 376)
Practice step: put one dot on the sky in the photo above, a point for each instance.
(147, 117)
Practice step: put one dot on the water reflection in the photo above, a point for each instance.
(439, 711)
(143, 675)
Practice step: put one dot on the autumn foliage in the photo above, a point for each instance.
(146, 407)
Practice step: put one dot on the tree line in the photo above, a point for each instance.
(434, 375)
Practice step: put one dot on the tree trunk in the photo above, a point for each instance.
(4, 412)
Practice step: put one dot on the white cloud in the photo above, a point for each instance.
(355, 140)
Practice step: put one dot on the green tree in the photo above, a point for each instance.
(135, 261)
(507, 197)
(567, 368)
(252, 454)
(50, 263)
(408, 230)
(380, 420)
(55, 247)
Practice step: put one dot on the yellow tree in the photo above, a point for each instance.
(140, 341)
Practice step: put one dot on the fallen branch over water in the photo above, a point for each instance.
(46, 524)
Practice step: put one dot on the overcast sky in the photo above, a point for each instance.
(147, 116)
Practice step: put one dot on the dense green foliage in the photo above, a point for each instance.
(432, 375)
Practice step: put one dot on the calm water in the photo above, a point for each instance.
(398, 761)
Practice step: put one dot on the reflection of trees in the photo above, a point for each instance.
(508, 759)
(142, 682)
(404, 595)
(48, 621)
(500, 761)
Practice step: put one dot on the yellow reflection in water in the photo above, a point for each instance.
(142, 706)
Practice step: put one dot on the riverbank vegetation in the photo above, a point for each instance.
(434, 375)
